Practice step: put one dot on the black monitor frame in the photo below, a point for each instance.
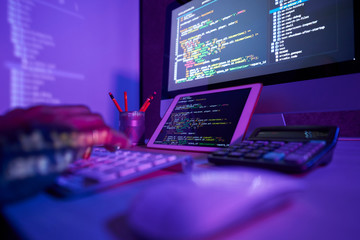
(322, 71)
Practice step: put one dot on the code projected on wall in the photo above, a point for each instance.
(204, 120)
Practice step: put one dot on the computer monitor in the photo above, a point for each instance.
(69, 52)
(305, 52)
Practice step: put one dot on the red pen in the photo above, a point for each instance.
(125, 101)
(147, 103)
(146, 106)
(116, 103)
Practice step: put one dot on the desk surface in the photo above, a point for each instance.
(327, 209)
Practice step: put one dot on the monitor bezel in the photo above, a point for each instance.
(309, 73)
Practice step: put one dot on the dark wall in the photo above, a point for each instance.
(152, 29)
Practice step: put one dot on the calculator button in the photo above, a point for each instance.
(296, 158)
(236, 154)
(252, 155)
(278, 143)
(232, 148)
(220, 153)
(293, 145)
(243, 150)
(274, 145)
(258, 144)
(241, 144)
(284, 151)
(309, 148)
(251, 147)
(259, 151)
(274, 156)
(321, 142)
(266, 149)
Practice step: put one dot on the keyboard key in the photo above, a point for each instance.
(127, 171)
(171, 158)
(159, 161)
(99, 177)
(144, 166)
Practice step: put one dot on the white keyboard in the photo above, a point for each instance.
(105, 169)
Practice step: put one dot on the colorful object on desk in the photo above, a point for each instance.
(126, 101)
(284, 148)
(115, 102)
(146, 106)
(132, 124)
(147, 103)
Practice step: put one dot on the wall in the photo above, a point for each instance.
(152, 22)
(69, 52)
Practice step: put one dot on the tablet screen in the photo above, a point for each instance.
(205, 120)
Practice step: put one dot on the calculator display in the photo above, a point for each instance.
(307, 134)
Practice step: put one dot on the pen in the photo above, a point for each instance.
(146, 106)
(114, 100)
(126, 101)
(147, 103)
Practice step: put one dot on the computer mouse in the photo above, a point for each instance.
(206, 202)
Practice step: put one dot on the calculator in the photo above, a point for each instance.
(284, 148)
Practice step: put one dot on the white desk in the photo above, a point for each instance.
(329, 208)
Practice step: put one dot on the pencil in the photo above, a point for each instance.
(146, 106)
(147, 103)
(126, 101)
(115, 102)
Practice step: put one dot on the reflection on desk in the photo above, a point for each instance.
(328, 208)
(206, 202)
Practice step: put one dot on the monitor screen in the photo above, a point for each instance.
(219, 43)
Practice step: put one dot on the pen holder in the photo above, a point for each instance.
(132, 124)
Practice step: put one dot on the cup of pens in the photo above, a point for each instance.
(132, 123)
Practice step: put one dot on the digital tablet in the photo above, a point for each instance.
(208, 120)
